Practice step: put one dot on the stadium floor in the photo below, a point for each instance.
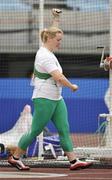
(55, 174)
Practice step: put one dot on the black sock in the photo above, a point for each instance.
(15, 158)
(74, 161)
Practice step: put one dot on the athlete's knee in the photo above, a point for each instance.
(63, 131)
(35, 133)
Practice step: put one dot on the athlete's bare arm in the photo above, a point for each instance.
(56, 17)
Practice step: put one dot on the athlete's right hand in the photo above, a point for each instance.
(56, 12)
(74, 87)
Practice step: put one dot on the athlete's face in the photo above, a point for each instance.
(56, 41)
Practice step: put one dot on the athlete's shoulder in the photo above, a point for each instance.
(44, 54)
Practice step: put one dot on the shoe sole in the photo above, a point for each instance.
(81, 167)
(18, 167)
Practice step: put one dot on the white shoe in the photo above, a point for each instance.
(80, 165)
(18, 164)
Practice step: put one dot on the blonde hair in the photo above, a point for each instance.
(50, 32)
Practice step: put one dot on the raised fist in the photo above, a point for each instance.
(56, 12)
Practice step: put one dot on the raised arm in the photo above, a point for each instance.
(56, 17)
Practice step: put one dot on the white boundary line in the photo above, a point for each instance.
(32, 175)
(90, 178)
